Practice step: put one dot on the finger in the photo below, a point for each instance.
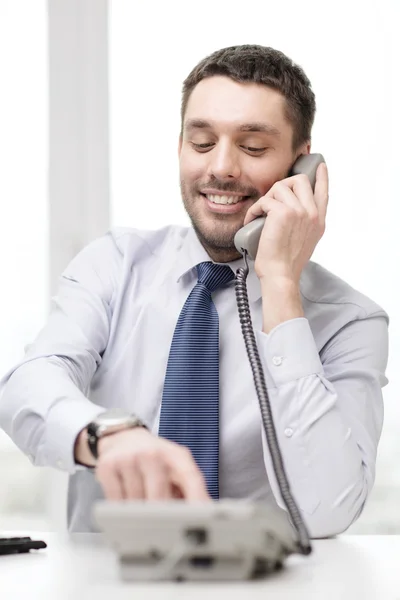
(155, 478)
(261, 208)
(176, 492)
(110, 482)
(286, 195)
(185, 474)
(302, 189)
(321, 193)
(132, 481)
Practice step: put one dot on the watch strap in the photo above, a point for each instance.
(92, 439)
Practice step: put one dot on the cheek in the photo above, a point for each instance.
(190, 169)
(263, 178)
(262, 181)
(266, 185)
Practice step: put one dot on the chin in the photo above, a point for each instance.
(216, 231)
(217, 237)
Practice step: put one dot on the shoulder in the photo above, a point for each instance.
(123, 244)
(105, 261)
(322, 287)
(136, 244)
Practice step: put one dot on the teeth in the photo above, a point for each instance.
(224, 199)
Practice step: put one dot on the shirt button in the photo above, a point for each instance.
(288, 432)
(59, 464)
(277, 360)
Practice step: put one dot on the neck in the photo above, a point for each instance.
(222, 255)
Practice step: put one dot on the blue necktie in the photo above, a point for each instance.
(190, 402)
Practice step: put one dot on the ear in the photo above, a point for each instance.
(304, 149)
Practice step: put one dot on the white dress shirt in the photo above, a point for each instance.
(107, 341)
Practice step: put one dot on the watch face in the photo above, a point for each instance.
(115, 420)
(115, 416)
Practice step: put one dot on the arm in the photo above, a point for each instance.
(43, 403)
(328, 409)
(44, 406)
(328, 413)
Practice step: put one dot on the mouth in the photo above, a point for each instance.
(226, 204)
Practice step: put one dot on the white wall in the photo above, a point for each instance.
(350, 51)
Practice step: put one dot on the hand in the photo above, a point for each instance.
(134, 463)
(294, 225)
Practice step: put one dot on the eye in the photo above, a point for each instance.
(207, 146)
(201, 147)
(254, 149)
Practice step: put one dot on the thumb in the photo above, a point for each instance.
(321, 190)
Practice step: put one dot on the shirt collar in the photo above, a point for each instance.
(191, 253)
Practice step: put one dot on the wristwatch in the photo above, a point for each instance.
(109, 422)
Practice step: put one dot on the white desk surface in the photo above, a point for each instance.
(347, 567)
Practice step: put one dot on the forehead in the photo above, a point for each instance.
(228, 104)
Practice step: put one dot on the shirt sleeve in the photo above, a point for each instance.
(328, 414)
(43, 399)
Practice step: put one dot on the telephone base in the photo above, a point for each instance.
(226, 540)
(198, 568)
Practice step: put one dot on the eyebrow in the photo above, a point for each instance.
(256, 126)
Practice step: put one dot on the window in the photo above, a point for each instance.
(23, 228)
(23, 182)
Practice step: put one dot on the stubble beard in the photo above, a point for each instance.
(216, 234)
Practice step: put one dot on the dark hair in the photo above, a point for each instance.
(261, 64)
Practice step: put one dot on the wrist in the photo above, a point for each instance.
(82, 453)
(107, 424)
(279, 285)
(281, 301)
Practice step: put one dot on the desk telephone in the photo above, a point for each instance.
(227, 539)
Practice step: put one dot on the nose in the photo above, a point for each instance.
(224, 162)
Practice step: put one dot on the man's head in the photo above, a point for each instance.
(247, 114)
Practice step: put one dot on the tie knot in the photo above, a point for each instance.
(213, 276)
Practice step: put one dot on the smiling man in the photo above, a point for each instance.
(139, 385)
(236, 143)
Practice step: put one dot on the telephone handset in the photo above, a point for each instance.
(248, 237)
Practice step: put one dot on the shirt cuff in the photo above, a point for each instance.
(65, 421)
(289, 352)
